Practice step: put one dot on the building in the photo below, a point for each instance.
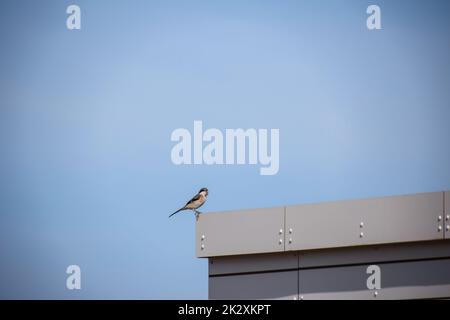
(335, 250)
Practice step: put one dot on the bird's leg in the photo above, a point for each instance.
(196, 214)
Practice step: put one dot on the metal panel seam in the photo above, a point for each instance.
(284, 228)
(444, 217)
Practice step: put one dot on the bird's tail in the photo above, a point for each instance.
(181, 209)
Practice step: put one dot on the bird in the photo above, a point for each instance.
(196, 202)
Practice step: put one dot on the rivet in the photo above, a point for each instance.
(203, 246)
(447, 217)
(301, 297)
(290, 230)
(361, 234)
(361, 224)
(439, 218)
(439, 229)
(290, 239)
(203, 237)
(375, 294)
(447, 228)
(281, 231)
(295, 297)
(280, 241)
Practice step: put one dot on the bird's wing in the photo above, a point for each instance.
(195, 198)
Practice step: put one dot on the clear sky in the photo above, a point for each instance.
(86, 116)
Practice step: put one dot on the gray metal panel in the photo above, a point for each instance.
(404, 293)
(329, 257)
(374, 254)
(253, 263)
(426, 273)
(384, 220)
(447, 214)
(240, 232)
(274, 285)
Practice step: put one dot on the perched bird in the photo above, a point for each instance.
(196, 202)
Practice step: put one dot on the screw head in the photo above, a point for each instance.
(361, 234)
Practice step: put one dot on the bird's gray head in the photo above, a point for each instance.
(204, 190)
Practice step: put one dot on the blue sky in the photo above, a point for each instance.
(86, 116)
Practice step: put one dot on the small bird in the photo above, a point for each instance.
(196, 202)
